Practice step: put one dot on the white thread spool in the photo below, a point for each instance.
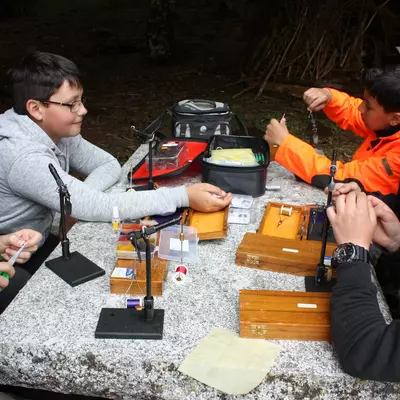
(286, 211)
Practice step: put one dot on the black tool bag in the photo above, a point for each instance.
(203, 119)
(248, 180)
(199, 120)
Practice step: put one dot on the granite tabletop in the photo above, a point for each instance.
(48, 330)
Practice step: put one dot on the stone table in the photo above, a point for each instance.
(48, 330)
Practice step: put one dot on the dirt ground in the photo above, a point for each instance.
(124, 88)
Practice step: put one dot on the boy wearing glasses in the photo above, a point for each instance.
(44, 127)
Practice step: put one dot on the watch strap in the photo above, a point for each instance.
(362, 254)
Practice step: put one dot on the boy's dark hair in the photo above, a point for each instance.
(39, 76)
(384, 85)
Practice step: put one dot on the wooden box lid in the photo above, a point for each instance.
(209, 225)
(296, 257)
(285, 315)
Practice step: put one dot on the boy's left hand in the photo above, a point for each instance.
(276, 132)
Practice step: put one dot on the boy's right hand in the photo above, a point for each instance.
(201, 199)
(317, 99)
(6, 267)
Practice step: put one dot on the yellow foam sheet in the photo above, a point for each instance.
(245, 156)
(229, 363)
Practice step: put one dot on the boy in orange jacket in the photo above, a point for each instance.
(375, 166)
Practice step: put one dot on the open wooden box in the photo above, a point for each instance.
(284, 315)
(209, 225)
(297, 226)
(120, 283)
(289, 227)
(296, 257)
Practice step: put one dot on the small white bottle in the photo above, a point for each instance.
(116, 222)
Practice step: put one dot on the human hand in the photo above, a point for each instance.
(276, 132)
(201, 199)
(343, 188)
(12, 242)
(353, 219)
(316, 98)
(8, 269)
(387, 232)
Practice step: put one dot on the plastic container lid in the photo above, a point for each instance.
(172, 248)
(168, 155)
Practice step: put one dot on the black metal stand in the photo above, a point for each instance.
(73, 268)
(151, 139)
(130, 323)
(323, 282)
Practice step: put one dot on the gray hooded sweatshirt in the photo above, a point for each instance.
(29, 194)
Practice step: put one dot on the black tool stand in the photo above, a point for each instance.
(150, 183)
(131, 323)
(322, 281)
(73, 268)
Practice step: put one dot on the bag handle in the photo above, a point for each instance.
(156, 124)
(241, 125)
(213, 103)
(195, 110)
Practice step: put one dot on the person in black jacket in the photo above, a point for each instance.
(366, 345)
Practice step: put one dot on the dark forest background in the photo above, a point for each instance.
(139, 57)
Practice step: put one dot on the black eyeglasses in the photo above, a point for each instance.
(73, 107)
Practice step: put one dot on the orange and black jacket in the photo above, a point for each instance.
(375, 165)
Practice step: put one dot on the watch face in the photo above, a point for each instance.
(345, 253)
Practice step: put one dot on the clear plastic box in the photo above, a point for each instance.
(170, 244)
(168, 155)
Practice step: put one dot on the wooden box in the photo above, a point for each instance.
(137, 285)
(296, 257)
(285, 315)
(272, 151)
(209, 225)
(283, 226)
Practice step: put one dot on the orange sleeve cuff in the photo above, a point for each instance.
(337, 99)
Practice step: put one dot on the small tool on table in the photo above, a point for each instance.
(313, 128)
(12, 260)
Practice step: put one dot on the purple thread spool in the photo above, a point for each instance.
(132, 303)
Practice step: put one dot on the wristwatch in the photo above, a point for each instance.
(349, 252)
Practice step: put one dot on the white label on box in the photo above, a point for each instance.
(328, 260)
(290, 250)
(123, 273)
(303, 305)
(178, 245)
